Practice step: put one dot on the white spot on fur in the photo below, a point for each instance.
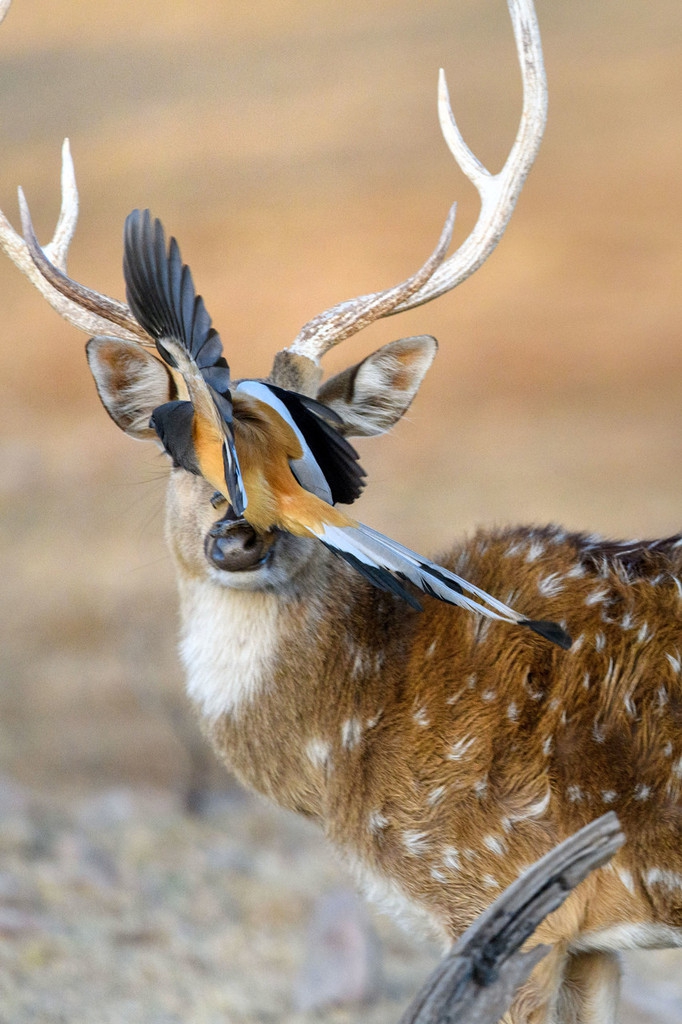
(351, 733)
(319, 752)
(435, 795)
(642, 792)
(495, 845)
(374, 720)
(644, 633)
(596, 597)
(451, 859)
(459, 749)
(359, 666)
(549, 586)
(662, 876)
(675, 663)
(535, 551)
(667, 749)
(421, 717)
(513, 712)
(438, 875)
(627, 622)
(576, 572)
(481, 787)
(431, 648)
(574, 794)
(608, 796)
(488, 696)
(416, 843)
(490, 882)
(547, 746)
(536, 809)
(376, 822)
(626, 878)
(599, 641)
(629, 704)
(229, 645)
(577, 643)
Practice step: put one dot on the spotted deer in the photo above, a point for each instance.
(440, 752)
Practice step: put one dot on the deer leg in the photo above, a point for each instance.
(537, 1000)
(590, 991)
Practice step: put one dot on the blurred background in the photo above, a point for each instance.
(294, 150)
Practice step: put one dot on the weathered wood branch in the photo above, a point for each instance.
(476, 981)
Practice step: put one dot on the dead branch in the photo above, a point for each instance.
(476, 981)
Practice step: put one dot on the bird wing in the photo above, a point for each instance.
(329, 465)
(385, 563)
(162, 297)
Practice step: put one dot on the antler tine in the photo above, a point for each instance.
(498, 194)
(57, 250)
(329, 328)
(79, 306)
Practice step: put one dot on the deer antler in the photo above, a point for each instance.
(98, 314)
(498, 193)
(45, 268)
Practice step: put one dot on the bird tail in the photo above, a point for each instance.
(387, 564)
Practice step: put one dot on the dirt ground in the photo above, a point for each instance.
(294, 150)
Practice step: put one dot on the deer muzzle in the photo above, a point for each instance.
(232, 545)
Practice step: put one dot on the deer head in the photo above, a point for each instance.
(368, 397)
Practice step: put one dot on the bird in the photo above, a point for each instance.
(275, 455)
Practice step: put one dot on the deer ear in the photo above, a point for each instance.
(130, 382)
(371, 396)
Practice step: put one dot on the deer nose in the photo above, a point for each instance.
(234, 546)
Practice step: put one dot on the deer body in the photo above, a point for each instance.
(442, 753)
(440, 750)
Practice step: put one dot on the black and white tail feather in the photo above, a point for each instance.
(385, 563)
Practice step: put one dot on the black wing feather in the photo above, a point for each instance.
(163, 299)
(161, 292)
(337, 459)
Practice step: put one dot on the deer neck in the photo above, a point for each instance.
(280, 678)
